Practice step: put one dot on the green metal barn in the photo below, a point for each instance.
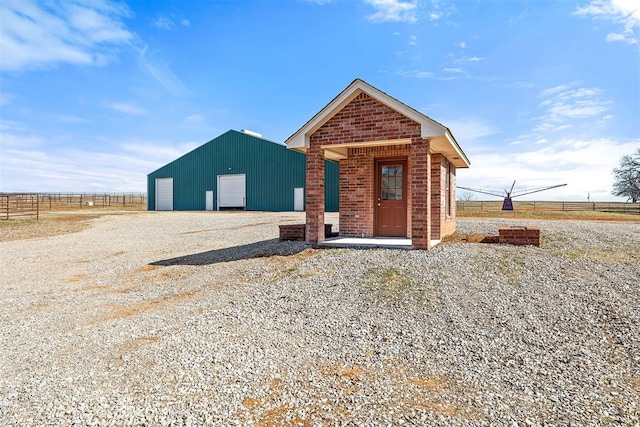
(237, 170)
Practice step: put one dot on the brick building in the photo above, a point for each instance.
(397, 168)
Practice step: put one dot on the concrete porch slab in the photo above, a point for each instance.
(377, 242)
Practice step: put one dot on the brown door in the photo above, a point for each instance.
(391, 198)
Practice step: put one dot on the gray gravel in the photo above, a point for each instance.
(198, 318)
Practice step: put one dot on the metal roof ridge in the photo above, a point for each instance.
(253, 136)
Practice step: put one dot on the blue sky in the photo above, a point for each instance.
(94, 95)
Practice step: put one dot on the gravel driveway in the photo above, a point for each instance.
(194, 318)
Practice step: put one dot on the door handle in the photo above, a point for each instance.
(378, 201)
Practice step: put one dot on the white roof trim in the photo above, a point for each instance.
(429, 128)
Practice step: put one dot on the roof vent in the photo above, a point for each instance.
(252, 133)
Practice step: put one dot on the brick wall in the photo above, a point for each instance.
(421, 193)
(437, 194)
(292, 232)
(443, 217)
(315, 195)
(357, 188)
(362, 120)
(365, 119)
(449, 224)
(519, 235)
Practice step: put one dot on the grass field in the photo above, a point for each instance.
(556, 215)
(57, 222)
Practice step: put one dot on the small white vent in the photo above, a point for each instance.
(252, 133)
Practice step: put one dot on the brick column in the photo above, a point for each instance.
(420, 193)
(437, 195)
(452, 193)
(315, 195)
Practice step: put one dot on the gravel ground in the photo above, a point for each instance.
(193, 318)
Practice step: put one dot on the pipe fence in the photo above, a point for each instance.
(615, 207)
(12, 205)
(24, 204)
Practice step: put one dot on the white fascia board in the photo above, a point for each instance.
(458, 150)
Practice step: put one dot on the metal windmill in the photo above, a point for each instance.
(507, 204)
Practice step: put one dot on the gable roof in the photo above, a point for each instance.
(241, 136)
(442, 140)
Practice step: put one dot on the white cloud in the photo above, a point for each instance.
(160, 72)
(193, 118)
(320, 2)
(544, 157)
(565, 104)
(461, 45)
(413, 41)
(163, 23)
(13, 135)
(468, 131)
(159, 152)
(39, 163)
(127, 108)
(556, 89)
(417, 74)
(37, 35)
(393, 11)
(453, 74)
(166, 23)
(518, 84)
(440, 9)
(624, 13)
(68, 118)
(466, 58)
(5, 98)
(616, 37)
(584, 164)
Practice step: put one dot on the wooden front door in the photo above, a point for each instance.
(391, 198)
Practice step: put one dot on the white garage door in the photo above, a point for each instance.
(164, 194)
(232, 191)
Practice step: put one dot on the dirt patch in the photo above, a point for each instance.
(458, 237)
(30, 228)
(148, 268)
(122, 312)
(550, 215)
(430, 384)
(281, 417)
(55, 223)
(93, 288)
(202, 231)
